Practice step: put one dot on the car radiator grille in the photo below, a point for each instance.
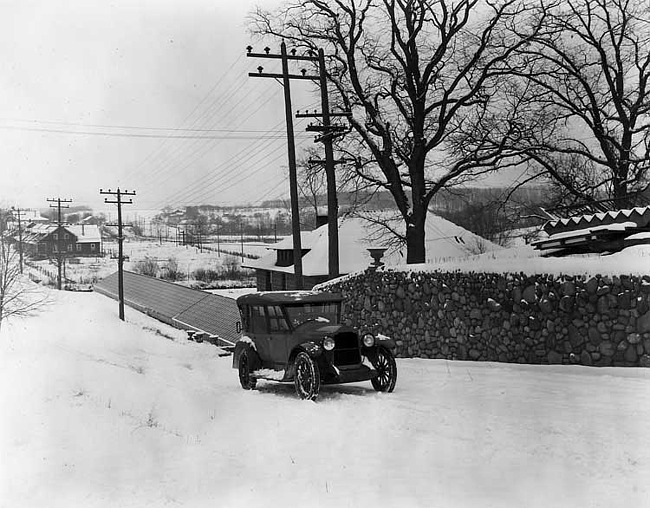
(346, 349)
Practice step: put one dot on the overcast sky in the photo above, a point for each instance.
(99, 94)
(152, 96)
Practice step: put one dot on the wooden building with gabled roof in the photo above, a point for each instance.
(45, 240)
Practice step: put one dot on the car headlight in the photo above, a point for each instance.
(368, 340)
(328, 343)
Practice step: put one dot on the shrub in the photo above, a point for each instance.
(148, 266)
(231, 265)
(172, 271)
(203, 275)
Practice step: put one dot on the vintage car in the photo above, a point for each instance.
(297, 336)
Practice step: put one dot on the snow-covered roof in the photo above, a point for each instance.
(87, 233)
(306, 242)
(42, 229)
(284, 297)
(574, 233)
(33, 216)
(640, 215)
(444, 239)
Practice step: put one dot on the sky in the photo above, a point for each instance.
(100, 95)
(148, 96)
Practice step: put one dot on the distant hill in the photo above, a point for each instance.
(447, 200)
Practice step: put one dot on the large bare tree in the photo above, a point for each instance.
(413, 73)
(587, 72)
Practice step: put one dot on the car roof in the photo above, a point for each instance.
(288, 297)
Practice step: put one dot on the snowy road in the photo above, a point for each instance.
(96, 412)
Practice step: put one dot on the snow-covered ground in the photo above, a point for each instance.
(101, 413)
(634, 260)
(87, 270)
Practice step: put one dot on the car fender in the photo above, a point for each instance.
(248, 346)
(387, 342)
(311, 348)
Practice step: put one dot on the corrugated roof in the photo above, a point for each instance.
(640, 215)
(177, 305)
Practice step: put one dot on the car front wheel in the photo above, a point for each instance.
(247, 381)
(386, 368)
(307, 377)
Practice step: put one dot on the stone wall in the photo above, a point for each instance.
(598, 320)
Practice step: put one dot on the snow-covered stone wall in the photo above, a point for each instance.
(598, 320)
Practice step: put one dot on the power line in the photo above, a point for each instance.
(131, 127)
(159, 150)
(169, 163)
(228, 134)
(204, 186)
(202, 183)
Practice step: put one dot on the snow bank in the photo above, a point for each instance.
(633, 260)
(101, 413)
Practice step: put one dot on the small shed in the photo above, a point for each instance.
(593, 227)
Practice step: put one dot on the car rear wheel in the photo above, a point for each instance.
(307, 377)
(386, 368)
(247, 381)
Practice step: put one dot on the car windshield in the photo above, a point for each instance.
(327, 312)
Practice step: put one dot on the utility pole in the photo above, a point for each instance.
(60, 258)
(328, 130)
(218, 242)
(17, 212)
(241, 238)
(120, 239)
(291, 148)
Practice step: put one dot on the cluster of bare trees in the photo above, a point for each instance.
(18, 296)
(442, 91)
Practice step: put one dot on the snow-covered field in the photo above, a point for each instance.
(101, 413)
(87, 270)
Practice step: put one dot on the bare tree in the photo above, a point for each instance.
(409, 71)
(19, 297)
(587, 73)
(312, 185)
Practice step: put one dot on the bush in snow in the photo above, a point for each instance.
(172, 272)
(148, 266)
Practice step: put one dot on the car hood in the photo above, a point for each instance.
(318, 329)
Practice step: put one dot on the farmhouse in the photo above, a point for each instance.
(44, 240)
(357, 236)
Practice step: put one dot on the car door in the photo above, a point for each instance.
(260, 334)
(279, 333)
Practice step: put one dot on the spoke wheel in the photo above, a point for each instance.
(307, 377)
(247, 381)
(386, 369)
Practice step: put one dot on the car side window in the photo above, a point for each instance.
(258, 320)
(246, 318)
(277, 321)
